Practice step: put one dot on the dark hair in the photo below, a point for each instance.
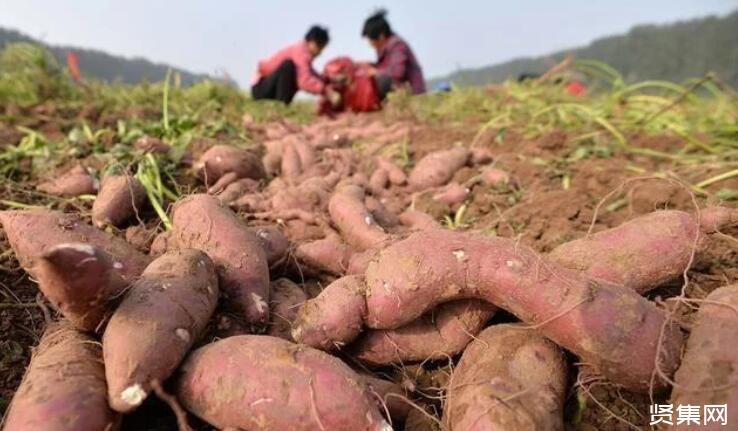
(318, 35)
(376, 26)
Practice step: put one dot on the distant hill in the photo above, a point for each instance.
(674, 52)
(104, 66)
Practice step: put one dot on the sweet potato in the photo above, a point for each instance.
(341, 314)
(154, 327)
(161, 243)
(202, 222)
(353, 219)
(452, 195)
(263, 383)
(610, 327)
(437, 168)
(64, 386)
(222, 159)
(378, 181)
(418, 220)
(640, 254)
(329, 254)
(79, 280)
(291, 164)
(286, 299)
(708, 374)
(77, 181)
(442, 333)
(388, 395)
(33, 232)
(236, 189)
(274, 243)
(509, 378)
(120, 198)
(494, 177)
(395, 174)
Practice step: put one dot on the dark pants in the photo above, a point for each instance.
(280, 85)
(384, 85)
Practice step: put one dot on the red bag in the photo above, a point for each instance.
(358, 90)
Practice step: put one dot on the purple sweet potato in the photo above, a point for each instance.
(152, 330)
(442, 333)
(709, 370)
(79, 280)
(353, 219)
(120, 198)
(64, 386)
(263, 383)
(286, 299)
(437, 168)
(332, 311)
(202, 222)
(77, 181)
(510, 378)
(32, 233)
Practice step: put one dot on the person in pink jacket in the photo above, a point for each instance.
(290, 69)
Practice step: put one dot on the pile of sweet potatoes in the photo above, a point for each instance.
(297, 267)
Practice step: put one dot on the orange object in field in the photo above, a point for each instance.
(73, 66)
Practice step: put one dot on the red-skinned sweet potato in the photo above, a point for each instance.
(437, 168)
(33, 232)
(640, 254)
(395, 174)
(441, 333)
(77, 181)
(154, 327)
(329, 254)
(64, 386)
(337, 323)
(610, 327)
(202, 222)
(150, 144)
(274, 243)
(388, 395)
(509, 378)
(222, 159)
(263, 383)
(708, 374)
(353, 219)
(120, 198)
(286, 300)
(79, 280)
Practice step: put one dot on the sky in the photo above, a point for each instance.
(232, 35)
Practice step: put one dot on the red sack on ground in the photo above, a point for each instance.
(358, 90)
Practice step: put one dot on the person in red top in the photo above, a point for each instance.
(396, 65)
(290, 69)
